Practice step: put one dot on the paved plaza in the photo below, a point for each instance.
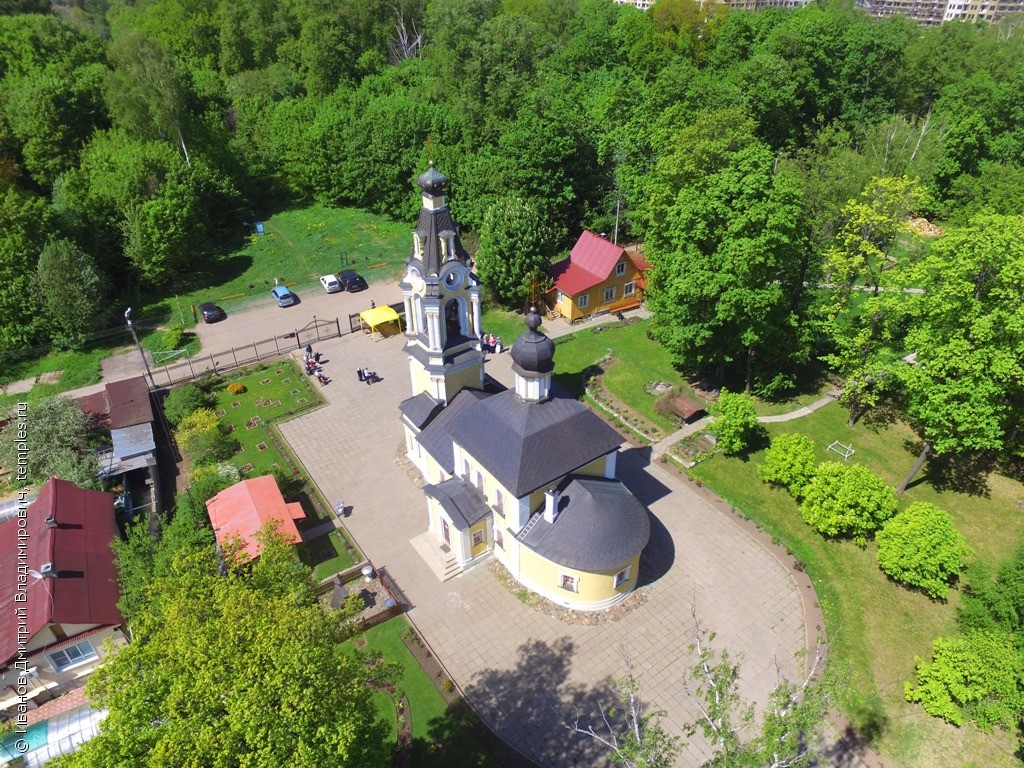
(525, 672)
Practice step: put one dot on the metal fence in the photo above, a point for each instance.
(236, 357)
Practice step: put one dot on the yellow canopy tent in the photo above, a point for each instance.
(372, 319)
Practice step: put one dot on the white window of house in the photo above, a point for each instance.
(72, 656)
(620, 269)
(609, 294)
(499, 538)
(480, 481)
(567, 582)
(629, 289)
(465, 465)
(558, 297)
(499, 502)
(478, 538)
(583, 301)
(622, 577)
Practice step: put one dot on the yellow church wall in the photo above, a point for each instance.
(468, 378)
(420, 378)
(594, 590)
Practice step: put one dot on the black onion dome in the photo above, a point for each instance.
(533, 352)
(433, 182)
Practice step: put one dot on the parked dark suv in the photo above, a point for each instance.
(351, 281)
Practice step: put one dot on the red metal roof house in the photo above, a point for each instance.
(598, 277)
(243, 509)
(58, 592)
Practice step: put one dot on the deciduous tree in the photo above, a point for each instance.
(724, 234)
(734, 423)
(238, 670)
(920, 547)
(789, 463)
(847, 500)
(977, 677)
(964, 392)
(516, 245)
(71, 289)
(59, 440)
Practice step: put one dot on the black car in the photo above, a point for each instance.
(350, 281)
(211, 312)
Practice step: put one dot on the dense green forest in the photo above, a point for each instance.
(132, 134)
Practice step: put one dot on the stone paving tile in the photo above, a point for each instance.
(526, 672)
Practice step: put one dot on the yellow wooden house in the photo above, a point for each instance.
(597, 278)
(525, 474)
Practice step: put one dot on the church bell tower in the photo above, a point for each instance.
(442, 301)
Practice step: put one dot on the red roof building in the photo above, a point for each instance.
(58, 585)
(242, 510)
(598, 277)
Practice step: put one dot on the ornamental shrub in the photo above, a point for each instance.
(973, 677)
(921, 547)
(202, 438)
(734, 424)
(173, 337)
(184, 400)
(847, 500)
(789, 463)
(236, 388)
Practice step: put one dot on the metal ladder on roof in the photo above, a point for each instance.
(529, 525)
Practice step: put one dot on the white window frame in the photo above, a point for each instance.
(629, 289)
(620, 269)
(499, 502)
(83, 657)
(480, 534)
(480, 481)
(558, 297)
(622, 577)
(583, 300)
(568, 582)
(499, 538)
(609, 294)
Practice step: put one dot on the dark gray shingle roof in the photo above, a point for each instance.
(600, 526)
(420, 409)
(526, 446)
(461, 501)
(436, 437)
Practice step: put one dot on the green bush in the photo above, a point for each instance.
(974, 677)
(789, 463)
(847, 500)
(734, 424)
(173, 337)
(203, 439)
(184, 400)
(921, 547)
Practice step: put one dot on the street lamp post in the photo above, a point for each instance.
(142, 352)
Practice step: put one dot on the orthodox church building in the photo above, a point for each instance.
(525, 474)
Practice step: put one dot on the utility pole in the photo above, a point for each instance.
(615, 237)
(145, 362)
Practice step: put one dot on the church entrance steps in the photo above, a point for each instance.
(441, 564)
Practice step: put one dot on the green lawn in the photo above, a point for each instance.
(432, 721)
(636, 363)
(506, 325)
(269, 393)
(326, 555)
(876, 627)
(299, 245)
